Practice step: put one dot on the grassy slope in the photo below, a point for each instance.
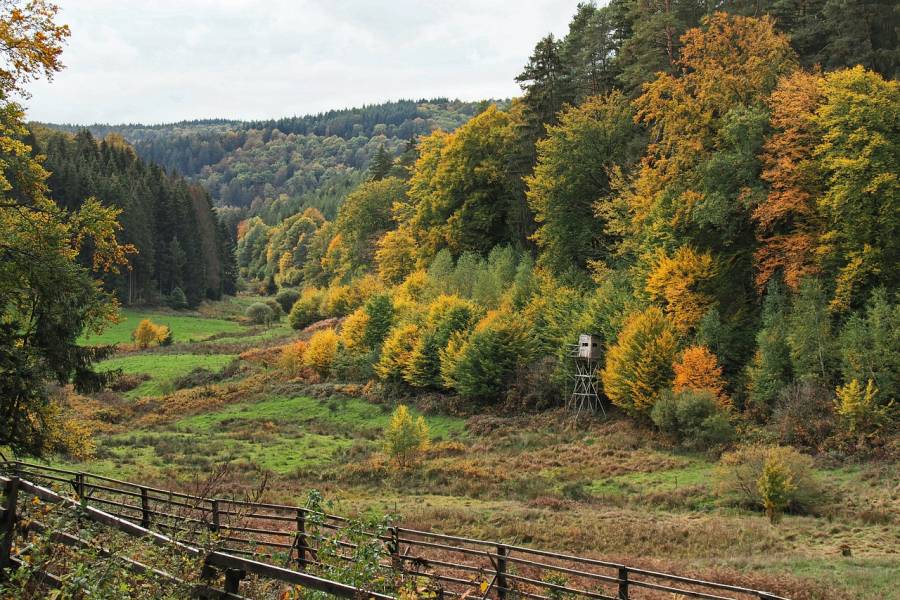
(162, 368)
(605, 489)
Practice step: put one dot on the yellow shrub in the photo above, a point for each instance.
(321, 351)
(148, 333)
(291, 359)
(353, 331)
(415, 288)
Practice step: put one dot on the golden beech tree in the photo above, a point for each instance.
(698, 369)
(639, 365)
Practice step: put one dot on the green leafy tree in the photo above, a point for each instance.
(770, 370)
(572, 174)
(380, 312)
(47, 297)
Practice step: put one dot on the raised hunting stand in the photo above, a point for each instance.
(585, 357)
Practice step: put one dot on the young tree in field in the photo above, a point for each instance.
(406, 439)
(47, 297)
(639, 365)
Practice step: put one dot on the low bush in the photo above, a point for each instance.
(292, 357)
(148, 332)
(305, 310)
(481, 365)
(260, 313)
(693, 418)
(286, 298)
(771, 478)
(804, 415)
(277, 313)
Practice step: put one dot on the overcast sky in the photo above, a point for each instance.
(168, 60)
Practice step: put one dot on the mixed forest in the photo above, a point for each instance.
(381, 302)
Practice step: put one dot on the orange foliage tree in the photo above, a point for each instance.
(698, 369)
(787, 221)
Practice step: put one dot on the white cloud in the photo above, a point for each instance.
(130, 61)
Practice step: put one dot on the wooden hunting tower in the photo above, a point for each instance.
(585, 361)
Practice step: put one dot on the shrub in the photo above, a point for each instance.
(292, 356)
(353, 331)
(341, 300)
(639, 366)
(482, 364)
(406, 439)
(693, 418)
(305, 311)
(775, 486)
(395, 352)
(320, 352)
(177, 299)
(423, 364)
(804, 414)
(147, 333)
(739, 472)
(260, 313)
(286, 298)
(277, 313)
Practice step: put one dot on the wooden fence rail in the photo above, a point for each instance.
(283, 534)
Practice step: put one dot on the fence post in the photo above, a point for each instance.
(145, 509)
(214, 525)
(501, 572)
(623, 583)
(301, 539)
(79, 486)
(9, 521)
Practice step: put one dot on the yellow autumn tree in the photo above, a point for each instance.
(320, 352)
(681, 281)
(639, 365)
(291, 361)
(787, 222)
(396, 255)
(147, 333)
(405, 438)
(353, 331)
(698, 369)
(396, 352)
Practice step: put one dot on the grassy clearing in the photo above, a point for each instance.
(351, 416)
(162, 368)
(185, 327)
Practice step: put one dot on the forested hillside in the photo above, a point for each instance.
(715, 195)
(277, 168)
(183, 254)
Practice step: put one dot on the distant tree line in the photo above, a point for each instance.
(184, 253)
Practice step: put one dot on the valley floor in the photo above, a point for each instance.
(601, 488)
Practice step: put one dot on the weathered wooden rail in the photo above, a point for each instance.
(281, 534)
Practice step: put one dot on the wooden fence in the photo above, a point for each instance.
(232, 567)
(280, 534)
